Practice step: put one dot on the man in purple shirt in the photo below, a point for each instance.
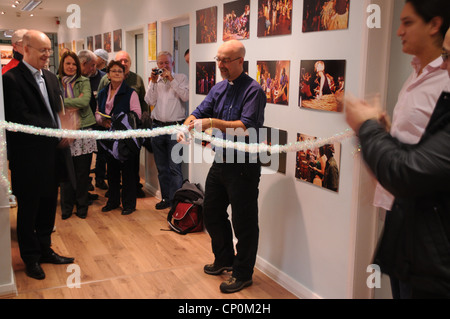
(236, 104)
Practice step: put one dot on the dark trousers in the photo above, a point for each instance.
(78, 197)
(126, 172)
(100, 163)
(170, 175)
(35, 222)
(237, 185)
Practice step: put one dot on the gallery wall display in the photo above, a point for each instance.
(98, 41)
(319, 166)
(7, 55)
(90, 43)
(107, 42)
(273, 136)
(205, 77)
(325, 15)
(152, 41)
(117, 40)
(274, 17)
(236, 20)
(273, 76)
(206, 21)
(321, 81)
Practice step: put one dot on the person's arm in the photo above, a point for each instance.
(83, 99)
(135, 105)
(180, 84)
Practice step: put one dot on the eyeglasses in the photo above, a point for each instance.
(116, 71)
(225, 61)
(444, 56)
(43, 51)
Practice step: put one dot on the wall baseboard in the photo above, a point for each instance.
(9, 289)
(285, 280)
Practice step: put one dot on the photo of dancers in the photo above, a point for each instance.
(319, 166)
(273, 76)
(236, 20)
(205, 77)
(325, 15)
(274, 17)
(207, 25)
(321, 82)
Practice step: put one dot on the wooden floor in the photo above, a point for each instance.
(130, 257)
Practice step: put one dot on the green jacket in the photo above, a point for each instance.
(82, 85)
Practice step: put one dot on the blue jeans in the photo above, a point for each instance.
(169, 173)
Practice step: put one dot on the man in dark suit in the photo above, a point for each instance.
(32, 96)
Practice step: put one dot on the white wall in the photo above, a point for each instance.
(308, 234)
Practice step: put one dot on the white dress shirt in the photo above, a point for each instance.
(416, 103)
(168, 97)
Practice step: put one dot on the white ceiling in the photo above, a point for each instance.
(48, 8)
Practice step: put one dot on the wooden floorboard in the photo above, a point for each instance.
(130, 257)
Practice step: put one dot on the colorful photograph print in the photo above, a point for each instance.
(236, 20)
(98, 41)
(321, 82)
(117, 40)
(319, 166)
(90, 43)
(205, 77)
(325, 15)
(273, 76)
(107, 42)
(207, 25)
(274, 17)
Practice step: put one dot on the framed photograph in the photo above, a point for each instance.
(273, 76)
(98, 41)
(325, 15)
(321, 81)
(274, 17)
(117, 40)
(107, 41)
(319, 166)
(152, 37)
(206, 21)
(205, 77)
(236, 20)
(90, 43)
(273, 136)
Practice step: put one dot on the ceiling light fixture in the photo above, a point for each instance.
(30, 6)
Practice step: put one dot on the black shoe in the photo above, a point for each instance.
(140, 193)
(127, 211)
(34, 270)
(82, 216)
(54, 258)
(234, 285)
(163, 204)
(214, 270)
(92, 196)
(65, 216)
(109, 207)
(101, 184)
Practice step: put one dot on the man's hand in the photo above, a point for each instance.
(70, 120)
(358, 111)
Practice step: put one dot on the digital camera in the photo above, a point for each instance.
(158, 71)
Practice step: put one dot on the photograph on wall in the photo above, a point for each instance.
(273, 136)
(325, 15)
(206, 21)
(90, 43)
(273, 76)
(205, 77)
(319, 166)
(117, 34)
(236, 20)
(152, 41)
(274, 17)
(6, 55)
(107, 42)
(98, 41)
(321, 82)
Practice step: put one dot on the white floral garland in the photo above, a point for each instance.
(168, 130)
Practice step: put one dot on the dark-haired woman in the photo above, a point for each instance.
(114, 99)
(422, 31)
(77, 94)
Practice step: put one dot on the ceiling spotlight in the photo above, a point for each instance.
(14, 6)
